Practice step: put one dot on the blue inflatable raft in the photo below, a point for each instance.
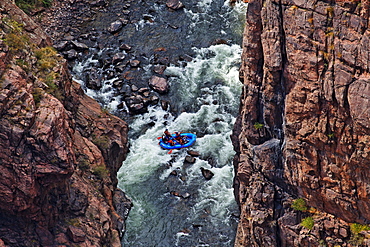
(188, 138)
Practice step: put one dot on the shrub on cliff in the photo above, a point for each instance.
(308, 223)
(357, 238)
(299, 205)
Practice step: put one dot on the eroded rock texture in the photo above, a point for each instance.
(303, 129)
(59, 152)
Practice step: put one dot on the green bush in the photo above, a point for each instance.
(308, 223)
(16, 42)
(357, 228)
(46, 58)
(299, 205)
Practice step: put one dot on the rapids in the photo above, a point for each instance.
(204, 99)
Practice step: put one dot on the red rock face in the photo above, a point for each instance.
(59, 152)
(303, 129)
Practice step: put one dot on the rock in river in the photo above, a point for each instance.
(115, 26)
(159, 84)
(174, 4)
(207, 174)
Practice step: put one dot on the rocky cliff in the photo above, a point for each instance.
(59, 150)
(302, 137)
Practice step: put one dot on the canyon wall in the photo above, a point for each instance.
(303, 129)
(60, 151)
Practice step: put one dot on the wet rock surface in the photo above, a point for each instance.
(303, 125)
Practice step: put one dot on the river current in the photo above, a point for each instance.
(174, 205)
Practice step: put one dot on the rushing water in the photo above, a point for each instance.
(206, 217)
(204, 98)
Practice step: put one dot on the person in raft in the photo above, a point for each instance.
(179, 138)
(167, 138)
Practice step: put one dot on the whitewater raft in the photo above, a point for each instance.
(189, 139)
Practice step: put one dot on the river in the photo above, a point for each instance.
(174, 205)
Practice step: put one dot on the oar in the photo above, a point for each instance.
(169, 152)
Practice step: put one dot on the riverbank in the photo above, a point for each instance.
(115, 59)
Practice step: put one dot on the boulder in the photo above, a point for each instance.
(154, 99)
(189, 159)
(179, 194)
(137, 108)
(207, 174)
(159, 84)
(136, 104)
(143, 91)
(193, 153)
(117, 83)
(71, 54)
(134, 63)
(174, 4)
(125, 90)
(125, 47)
(115, 26)
(118, 57)
(79, 45)
(159, 69)
(98, 3)
(93, 80)
(165, 104)
(61, 45)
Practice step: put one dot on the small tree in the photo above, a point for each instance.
(308, 223)
(299, 205)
